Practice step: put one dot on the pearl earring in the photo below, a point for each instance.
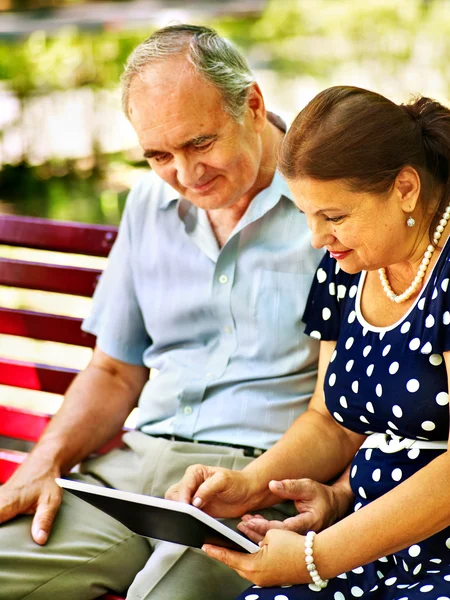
(411, 222)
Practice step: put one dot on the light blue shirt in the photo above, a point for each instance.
(221, 325)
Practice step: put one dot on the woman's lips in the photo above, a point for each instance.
(339, 255)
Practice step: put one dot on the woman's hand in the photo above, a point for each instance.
(318, 505)
(281, 560)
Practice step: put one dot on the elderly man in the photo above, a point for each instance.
(206, 284)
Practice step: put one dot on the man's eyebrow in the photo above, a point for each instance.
(195, 141)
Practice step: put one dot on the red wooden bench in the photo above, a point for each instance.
(19, 426)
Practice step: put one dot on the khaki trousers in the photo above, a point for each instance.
(89, 553)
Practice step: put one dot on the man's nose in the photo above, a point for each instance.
(189, 171)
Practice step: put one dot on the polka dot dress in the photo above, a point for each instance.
(391, 380)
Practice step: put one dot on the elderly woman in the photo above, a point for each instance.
(373, 179)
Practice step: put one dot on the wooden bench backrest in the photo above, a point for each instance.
(43, 234)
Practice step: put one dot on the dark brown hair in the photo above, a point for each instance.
(365, 139)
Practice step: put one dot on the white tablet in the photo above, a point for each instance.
(159, 518)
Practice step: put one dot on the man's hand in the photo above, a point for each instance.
(219, 492)
(318, 505)
(27, 493)
(279, 562)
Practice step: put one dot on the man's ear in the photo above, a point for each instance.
(407, 189)
(256, 107)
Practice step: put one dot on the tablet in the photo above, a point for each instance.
(159, 518)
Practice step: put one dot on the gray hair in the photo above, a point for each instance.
(212, 56)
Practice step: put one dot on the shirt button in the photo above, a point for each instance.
(228, 329)
(223, 279)
(188, 410)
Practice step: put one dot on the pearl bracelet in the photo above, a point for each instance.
(309, 559)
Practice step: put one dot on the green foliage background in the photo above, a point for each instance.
(291, 37)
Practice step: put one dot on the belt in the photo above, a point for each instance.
(389, 443)
(246, 450)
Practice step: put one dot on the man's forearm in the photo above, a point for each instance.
(94, 409)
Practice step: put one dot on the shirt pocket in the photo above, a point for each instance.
(279, 303)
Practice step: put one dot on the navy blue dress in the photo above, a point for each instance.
(390, 380)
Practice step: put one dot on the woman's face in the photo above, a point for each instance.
(362, 231)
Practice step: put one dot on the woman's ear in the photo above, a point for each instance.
(407, 189)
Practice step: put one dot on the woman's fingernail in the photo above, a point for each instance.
(197, 502)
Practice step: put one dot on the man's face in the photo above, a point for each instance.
(189, 141)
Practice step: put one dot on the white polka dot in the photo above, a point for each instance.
(332, 379)
(314, 588)
(444, 285)
(427, 588)
(321, 275)
(414, 344)
(368, 453)
(382, 334)
(426, 349)
(447, 577)
(429, 321)
(442, 398)
(405, 327)
(349, 365)
(363, 419)
(379, 390)
(366, 350)
(353, 471)
(390, 581)
(332, 289)
(333, 356)
(370, 407)
(436, 560)
(358, 506)
(397, 411)
(446, 317)
(343, 402)
(355, 386)
(341, 291)
(326, 314)
(281, 597)
(392, 425)
(252, 597)
(447, 543)
(396, 474)
(337, 268)
(421, 303)
(386, 349)
(315, 334)
(376, 475)
(413, 453)
(405, 566)
(435, 293)
(358, 570)
(356, 591)
(414, 551)
(349, 343)
(393, 368)
(362, 492)
(383, 559)
(351, 316)
(339, 596)
(428, 426)
(412, 385)
(442, 597)
(338, 417)
(435, 360)
(369, 370)
(365, 331)
(353, 291)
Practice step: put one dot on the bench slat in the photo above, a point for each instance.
(49, 278)
(22, 424)
(9, 461)
(35, 377)
(60, 236)
(41, 326)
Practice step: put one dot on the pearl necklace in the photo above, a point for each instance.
(417, 281)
